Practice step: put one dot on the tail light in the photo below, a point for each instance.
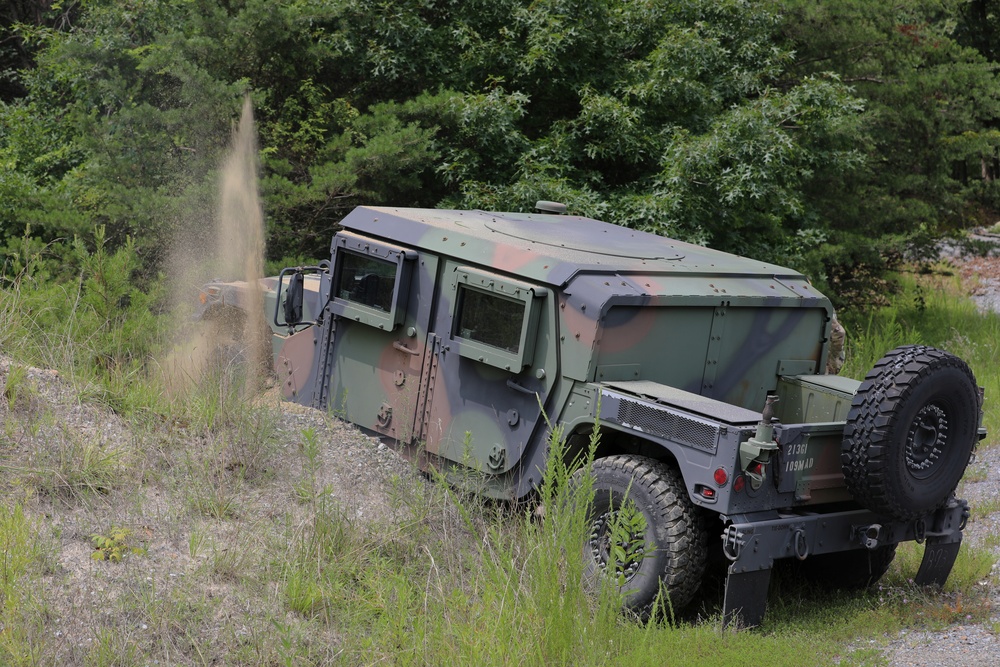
(739, 483)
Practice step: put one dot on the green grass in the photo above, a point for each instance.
(248, 558)
(21, 559)
(931, 309)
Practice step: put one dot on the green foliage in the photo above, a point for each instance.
(628, 546)
(928, 134)
(101, 330)
(20, 393)
(929, 309)
(113, 310)
(679, 130)
(782, 130)
(116, 545)
(19, 553)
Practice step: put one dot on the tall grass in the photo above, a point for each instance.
(475, 583)
(98, 331)
(931, 309)
(20, 558)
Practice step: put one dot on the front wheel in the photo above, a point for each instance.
(644, 530)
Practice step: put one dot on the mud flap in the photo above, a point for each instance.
(746, 598)
(943, 541)
(939, 557)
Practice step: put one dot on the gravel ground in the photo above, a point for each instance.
(973, 645)
(982, 274)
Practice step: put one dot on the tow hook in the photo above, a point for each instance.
(869, 536)
(732, 543)
(800, 546)
(757, 450)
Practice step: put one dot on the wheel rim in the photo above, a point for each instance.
(601, 546)
(926, 441)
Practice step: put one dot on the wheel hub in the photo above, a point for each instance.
(601, 547)
(926, 440)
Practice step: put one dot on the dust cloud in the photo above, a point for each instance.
(241, 222)
(240, 341)
(241, 239)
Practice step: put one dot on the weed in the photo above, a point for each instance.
(196, 540)
(113, 648)
(118, 543)
(20, 392)
(215, 494)
(216, 400)
(321, 561)
(20, 556)
(231, 563)
(227, 464)
(74, 468)
(18, 550)
(311, 449)
(977, 472)
(990, 542)
(625, 537)
(340, 411)
(251, 444)
(984, 508)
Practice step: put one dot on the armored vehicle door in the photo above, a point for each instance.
(375, 343)
(486, 381)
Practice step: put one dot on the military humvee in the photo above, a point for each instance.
(455, 335)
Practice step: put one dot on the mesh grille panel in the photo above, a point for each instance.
(669, 425)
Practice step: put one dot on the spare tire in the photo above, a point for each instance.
(911, 431)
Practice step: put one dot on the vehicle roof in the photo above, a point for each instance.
(549, 248)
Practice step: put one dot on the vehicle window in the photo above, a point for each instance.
(491, 319)
(366, 280)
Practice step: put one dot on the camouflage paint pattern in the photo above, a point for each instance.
(610, 304)
(600, 304)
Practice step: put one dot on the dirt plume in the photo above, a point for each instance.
(241, 239)
(234, 253)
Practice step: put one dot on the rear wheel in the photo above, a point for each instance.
(644, 530)
(910, 431)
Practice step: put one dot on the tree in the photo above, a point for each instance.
(780, 130)
(931, 104)
(15, 54)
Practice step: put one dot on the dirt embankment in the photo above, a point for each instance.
(198, 522)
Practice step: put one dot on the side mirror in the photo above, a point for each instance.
(293, 299)
(291, 306)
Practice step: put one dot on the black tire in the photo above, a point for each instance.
(675, 545)
(849, 570)
(911, 431)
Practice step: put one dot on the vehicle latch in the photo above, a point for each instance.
(758, 448)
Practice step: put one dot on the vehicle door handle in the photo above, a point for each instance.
(402, 348)
(516, 387)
